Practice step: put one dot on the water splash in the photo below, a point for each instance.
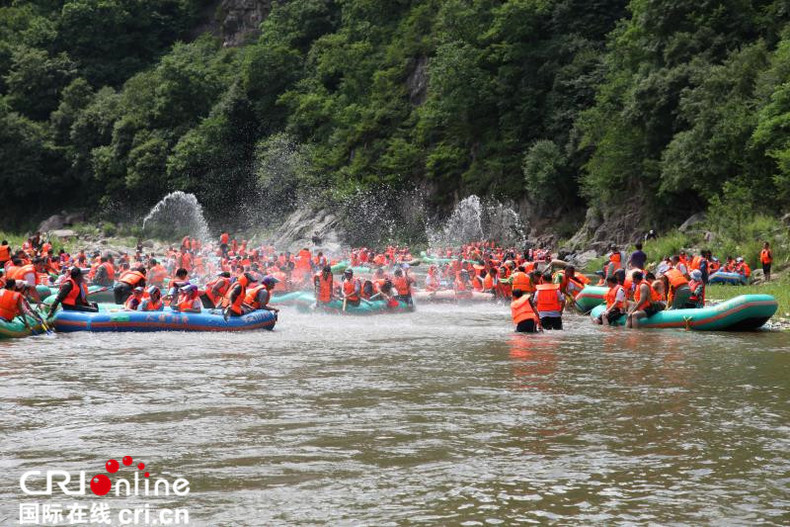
(473, 219)
(177, 214)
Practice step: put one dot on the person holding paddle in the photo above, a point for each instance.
(351, 289)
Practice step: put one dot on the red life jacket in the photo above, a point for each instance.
(236, 306)
(402, 285)
(132, 303)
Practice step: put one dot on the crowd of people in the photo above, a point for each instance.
(237, 278)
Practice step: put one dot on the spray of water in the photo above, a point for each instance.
(474, 219)
(177, 214)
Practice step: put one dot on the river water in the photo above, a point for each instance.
(439, 417)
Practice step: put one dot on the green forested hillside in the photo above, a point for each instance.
(662, 106)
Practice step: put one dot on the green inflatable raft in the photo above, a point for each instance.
(307, 304)
(590, 297)
(16, 328)
(742, 313)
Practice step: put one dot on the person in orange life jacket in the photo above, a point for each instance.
(462, 285)
(402, 283)
(523, 313)
(188, 300)
(236, 295)
(105, 273)
(571, 285)
(615, 303)
(678, 264)
(432, 281)
(13, 304)
(520, 280)
(697, 287)
(646, 301)
(73, 294)
(323, 283)
(766, 259)
(677, 288)
(180, 281)
(215, 290)
(133, 302)
(351, 288)
(742, 268)
(259, 297)
(549, 302)
(29, 273)
(127, 282)
(152, 302)
(223, 244)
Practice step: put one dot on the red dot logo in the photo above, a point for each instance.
(100, 484)
(127, 460)
(111, 466)
(141, 466)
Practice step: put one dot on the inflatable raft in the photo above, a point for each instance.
(110, 318)
(728, 278)
(590, 297)
(307, 304)
(742, 313)
(450, 296)
(16, 328)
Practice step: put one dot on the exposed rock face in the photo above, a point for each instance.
(309, 228)
(694, 220)
(417, 82)
(240, 20)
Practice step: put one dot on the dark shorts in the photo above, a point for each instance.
(766, 268)
(653, 308)
(614, 316)
(121, 292)
(526, 326)
(551, 322)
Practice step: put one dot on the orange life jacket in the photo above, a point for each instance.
(20, 272)
(654, 295)
(766, 256)
(9, 304)
(402, 285)
(488, 282)
(611, 296)
(548, 299)
(152, 306)
(5, 253)
(693, 284)
(676, 278)
(133, 278)
(221, 284)
(251, 299)
(186, 303)
(519, 280)
(77, 291)
(349, 287)
(129, 304)
(224, 238)
(521, 310)
(109, 269)
(325, 287)
(236, 306)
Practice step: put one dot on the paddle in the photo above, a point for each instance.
(345, 303)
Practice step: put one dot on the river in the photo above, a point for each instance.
(439, 417)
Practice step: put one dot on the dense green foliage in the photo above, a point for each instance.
(664, 105)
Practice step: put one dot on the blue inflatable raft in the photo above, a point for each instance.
(110, 318)
(727, 278)
(742, 313)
